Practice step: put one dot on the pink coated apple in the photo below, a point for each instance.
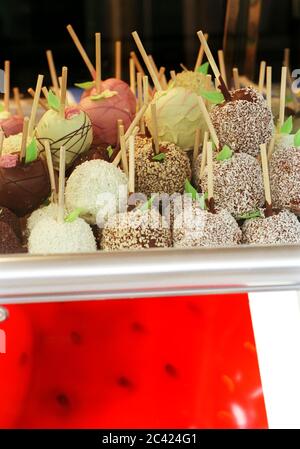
(12, 125)
(105, 112)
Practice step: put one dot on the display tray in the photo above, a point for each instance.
(157, 272)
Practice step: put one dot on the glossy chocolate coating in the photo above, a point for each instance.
(24, 188)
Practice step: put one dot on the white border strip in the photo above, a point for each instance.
(276, 325)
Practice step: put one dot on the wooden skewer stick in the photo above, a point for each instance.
(265, 169)
(139, 90)
(17, 100)
(6, 84)
(262, 74)
(209, 55)
(51, 170)
(24, 139)
(208, 82)
(222, 65)
(146, 61)
(204, 154)
(269, 86)
(135, 121)
(153, 64)
(35, 103)
(162, 78)
(117, 159)
(200, 54)
(196, 144)
(286, 57)
(1, 141)
(131, 178)
(282, 96)
(236, 78)
(135, 131)
(119, 124)
(45, 92)
(173, 74)
(145, 90)
(52, 70)
(82, 51)
(137, 63)
(123, 149)
(41, 102)
(208, 122)
(184, 68)
(161, 73)
(210, 173)
(214, 67)
(154, 127)
(120, 128)
(271, 147)
(132, 75)
(98, 62)
(140, 99)
(61, 185)
(139, 68)
(63, 92)
(118, 60)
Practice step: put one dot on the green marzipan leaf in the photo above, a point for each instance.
(73, 215)
(159, 157)
(188, 188)
(110, 151)
(287, 126)
(146, 206)
(225, 153)
(297, 139)
(249, 215)
(86, 85)
(214, 97)
(31, 152)
(103, 95)
(203, 68)
(53, 101)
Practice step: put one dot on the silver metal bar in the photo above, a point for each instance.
(134, 274)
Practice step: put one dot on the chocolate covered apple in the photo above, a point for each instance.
(64, 126)
(24, 178)
(244, 122)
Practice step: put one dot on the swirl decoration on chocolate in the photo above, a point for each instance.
(76, 142)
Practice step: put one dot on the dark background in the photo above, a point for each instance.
(167, 27)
